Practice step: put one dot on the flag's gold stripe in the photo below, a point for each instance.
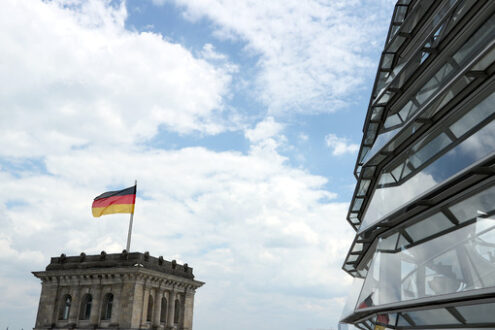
(114, 208)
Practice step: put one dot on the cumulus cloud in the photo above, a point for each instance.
(251, 226)
(74, 76)
(340, 146)
(79, 97)
(268, 128)
(312, 54)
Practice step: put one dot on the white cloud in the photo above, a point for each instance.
(303, 137)
(268, 128)
(78, 96)
(312, 54)
(73, 75)
(252, 227)
(340, 146)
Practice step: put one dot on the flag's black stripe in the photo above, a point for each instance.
(126, 191)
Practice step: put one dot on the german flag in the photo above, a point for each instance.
(121, 201)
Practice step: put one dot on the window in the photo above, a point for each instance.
(149, 315)
(85, 311)
(65, 307)
(163, 312)
(177, 311)
(432, 160)
(417, 262)
(106, 311)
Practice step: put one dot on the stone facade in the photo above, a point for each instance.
(124, 291)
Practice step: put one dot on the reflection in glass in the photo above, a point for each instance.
(434, 224)
(475, 206)
(433, 268)
(396, 120)
(352, 297)
(474, 117)
(478, 313)
(432, 317)
(414, 180)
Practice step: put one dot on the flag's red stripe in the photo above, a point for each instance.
(125, 199)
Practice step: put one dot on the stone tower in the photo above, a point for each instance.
(124, 291)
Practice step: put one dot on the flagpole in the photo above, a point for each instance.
(128, 248)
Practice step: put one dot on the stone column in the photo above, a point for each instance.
(144, 313)
(188, 306)
(116, 310)
(94, 317)
(165, 294)
(136, 302)
(75, 304)
(171, 309)
(47, 307)
(157, 306)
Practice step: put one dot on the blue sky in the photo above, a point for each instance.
(240, 120)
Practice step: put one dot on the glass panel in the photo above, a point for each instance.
(357, 247)
(430, 226)
(481, 37)
(368, 172)
(402, 72)
(400, 14)
(357, 204)
(377, 113)
(434, 83)
(354, 218)
(352, 297)
(384, 138)
(389, 243)
(363, 187)
(352, 257)
(431, 149)
(345, 326)
(381, 140)
(385, 97)
(392, 121)
(386, 199)
(474, 117)
(475, 206)
(402, 242)
(403, 322)
(458, 261)
(385, 318)
(432, 317)
(364, 152)
(386, 178)
(387, 61)
(407, 109)
(485, 62)
(453, 90)
(397, 172)
(369, 293)
(478, 313)
(394, 46)
(370, 133)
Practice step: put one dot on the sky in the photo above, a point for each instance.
(240, 120)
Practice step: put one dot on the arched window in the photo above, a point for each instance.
(86, 303)
(163, 312)
(149, 315)
(106, 311)
(177, 311)
(65, 307)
